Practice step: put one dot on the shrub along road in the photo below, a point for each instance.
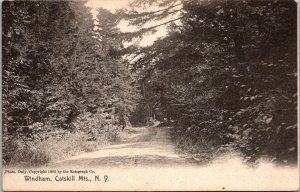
(147, 158)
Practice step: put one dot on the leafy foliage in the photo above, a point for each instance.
(225, 75)
(58, 70)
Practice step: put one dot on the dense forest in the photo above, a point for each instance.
(60, 77)
(224, 77)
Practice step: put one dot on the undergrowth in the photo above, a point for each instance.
(18, 153)
(196, 147)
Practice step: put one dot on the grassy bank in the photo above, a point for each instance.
(39, 152)
(196, 146)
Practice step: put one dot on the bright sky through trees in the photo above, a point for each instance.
(113, 5)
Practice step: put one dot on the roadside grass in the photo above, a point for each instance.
(72, 144)
(29, 157)
(198, 148)
(41, 152)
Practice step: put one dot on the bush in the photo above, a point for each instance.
(19, 153)
(195, 145)
(114, 135)
(49, 144)
(29, 157)
(72, 144)
(10, 146)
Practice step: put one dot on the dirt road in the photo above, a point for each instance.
(147, 160)
(145, 146)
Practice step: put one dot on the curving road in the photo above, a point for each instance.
(148, 161)
(144, 146)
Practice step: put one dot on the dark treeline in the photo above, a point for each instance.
(60, 76)
(225, 76)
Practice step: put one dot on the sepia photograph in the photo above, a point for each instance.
(150, 95)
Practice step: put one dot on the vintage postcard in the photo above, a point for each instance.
(150, 95)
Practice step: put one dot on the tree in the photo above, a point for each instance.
(120, 87)
(59, 73)
(225, 74)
